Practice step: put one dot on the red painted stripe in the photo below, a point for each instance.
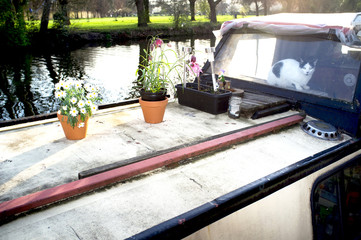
(64, 191)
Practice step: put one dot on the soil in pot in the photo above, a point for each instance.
(151, 96)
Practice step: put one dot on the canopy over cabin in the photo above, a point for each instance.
(259, 55)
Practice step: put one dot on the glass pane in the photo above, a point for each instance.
(352, 211)
(246, 55)
(302, 63)
(326, 210)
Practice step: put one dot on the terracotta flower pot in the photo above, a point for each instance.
(153, 111)
(75, 133)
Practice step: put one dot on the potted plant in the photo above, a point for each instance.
(200, 96)
(77, 104)
(155, 73)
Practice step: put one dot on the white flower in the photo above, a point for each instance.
(95, 94)
(61, 83)
(90, 95)
(94, 108)
(83, 110)
(66, 85)
(73, 100)
(81, 104)
(62, 94)
(81, 125)
(89, 102)
(57, 86)
(65, 108)
(57, 94)
(73, 112)
(77, 84)
(59, 112)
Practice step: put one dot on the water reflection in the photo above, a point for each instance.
(27, 79)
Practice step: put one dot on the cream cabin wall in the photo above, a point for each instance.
(283, 215)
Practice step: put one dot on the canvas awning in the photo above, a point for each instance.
(299, 24)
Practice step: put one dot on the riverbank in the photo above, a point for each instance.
(75, 38)
(110, 31)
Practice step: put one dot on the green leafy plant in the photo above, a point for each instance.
(76, 98)
(159, 62)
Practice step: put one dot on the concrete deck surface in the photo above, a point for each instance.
(39, 157)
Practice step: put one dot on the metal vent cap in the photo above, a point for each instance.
(321, 130)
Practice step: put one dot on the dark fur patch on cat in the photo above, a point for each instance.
(309, 60)
(277, 69)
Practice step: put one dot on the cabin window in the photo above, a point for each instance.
(332, 69)
(336, 204)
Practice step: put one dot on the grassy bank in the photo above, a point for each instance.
(130, 23)
(121, 29)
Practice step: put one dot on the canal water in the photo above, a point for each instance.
(27, 80)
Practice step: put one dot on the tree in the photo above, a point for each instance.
(142, 17)
(203, 7)
(146, 9)
(256, 3)
(64, 11)
(265, 7)
(213, 13)
(45, 16)
(180, 13)
(12, 23)
(222, 8)
(351, 5)
(192, 4)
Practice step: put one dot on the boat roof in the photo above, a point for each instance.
(299, 24)
(38, 162)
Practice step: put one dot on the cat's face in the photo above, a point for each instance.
(308, 67)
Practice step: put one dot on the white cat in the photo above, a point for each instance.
(290, 73)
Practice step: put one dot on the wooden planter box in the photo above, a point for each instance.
(203, 100)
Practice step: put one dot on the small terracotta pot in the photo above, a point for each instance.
(75, 133)
(153, 111)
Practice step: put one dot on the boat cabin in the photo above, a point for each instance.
(312, 60)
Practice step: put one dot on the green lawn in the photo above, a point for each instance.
(123, 23)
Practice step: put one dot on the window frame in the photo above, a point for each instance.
(341, 193)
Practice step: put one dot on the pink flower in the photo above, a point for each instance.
(194, 66)
(158, 42)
